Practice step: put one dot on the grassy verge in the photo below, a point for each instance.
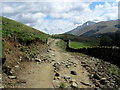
(90, 40)
(114, 70)
(0, 49)
(79, 45)
(61, 44)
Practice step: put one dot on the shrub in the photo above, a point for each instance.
(105, 41)
(62, 85)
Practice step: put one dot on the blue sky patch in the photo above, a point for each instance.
(93, 4)
(48, 18)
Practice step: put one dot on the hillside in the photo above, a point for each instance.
(96, 29)
(21, 32)
(19, 44)
(21, 38)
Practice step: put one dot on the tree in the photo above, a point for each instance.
(105, 41)
(116, 39)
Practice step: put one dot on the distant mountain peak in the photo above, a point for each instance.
(88, 23)
(77, 29)
(91, 28)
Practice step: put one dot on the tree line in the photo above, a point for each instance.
(110, 40)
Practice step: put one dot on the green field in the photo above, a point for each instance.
(79, 45)
(90, 40)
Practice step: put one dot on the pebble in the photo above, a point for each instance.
(96, 76)
(38, 60)
(53, 54)
(66, 77)
(17, 66)
(57, 74)
(58, 78)
(87, 84)
(56, 83)
(48, 51)
(73, 72)
(53, 60)
(12, 77)
(74, 85)
(72, 80)
(103, 81)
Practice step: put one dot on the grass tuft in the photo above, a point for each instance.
(62, 85)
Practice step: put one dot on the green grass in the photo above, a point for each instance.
(90, 40)
(61, 44)
(0, 49)
(11, 28)
(79, 45)
(115, 70)
(62, 85)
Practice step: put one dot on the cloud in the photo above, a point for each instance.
(28, 18)
(107, 11)
(54, 26)
(60, 0)
(7, 9)
(58, 17)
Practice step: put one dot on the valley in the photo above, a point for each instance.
(33, 59)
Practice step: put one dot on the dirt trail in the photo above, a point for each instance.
(41, 75)
(37, 76)
(55, 50)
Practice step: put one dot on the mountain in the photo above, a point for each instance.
(95, 29)
(88, 23)
(76, 30)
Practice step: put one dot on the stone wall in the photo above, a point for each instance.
(110, 54)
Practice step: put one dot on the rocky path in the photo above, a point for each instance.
(54, 69)
(60, 69)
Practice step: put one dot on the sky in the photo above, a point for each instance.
(56, 17)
